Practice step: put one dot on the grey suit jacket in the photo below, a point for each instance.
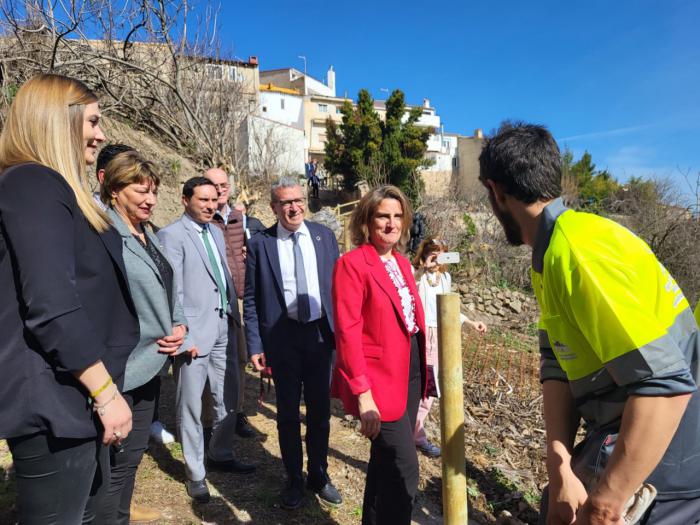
(156, 319)
(196, 285)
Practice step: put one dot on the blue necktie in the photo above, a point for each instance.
(303, 306)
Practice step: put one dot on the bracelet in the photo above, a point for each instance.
(100, 409)
(97, 392)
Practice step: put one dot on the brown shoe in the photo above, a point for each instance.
(140, 514)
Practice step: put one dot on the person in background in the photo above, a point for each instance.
(251, 225)
(197, 253)
(432, 279)
(232, 223)
(289, 327)
(67, 321)
(130, 190)
(107, 153)
(619, 346)
(380, 372)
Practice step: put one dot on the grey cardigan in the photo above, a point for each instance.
(151, 301)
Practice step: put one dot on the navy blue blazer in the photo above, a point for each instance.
(264, 308)
(65, 304)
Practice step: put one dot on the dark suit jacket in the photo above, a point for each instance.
(254, 225)
(65, 304)
(264, 308)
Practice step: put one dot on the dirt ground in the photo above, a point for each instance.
(503, 448)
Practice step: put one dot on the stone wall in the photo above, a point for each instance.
(495, 305)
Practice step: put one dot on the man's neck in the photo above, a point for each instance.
(529, 217)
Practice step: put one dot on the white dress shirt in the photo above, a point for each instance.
(285, 249)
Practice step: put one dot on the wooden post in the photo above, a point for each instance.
(347, 243)
(454, 477)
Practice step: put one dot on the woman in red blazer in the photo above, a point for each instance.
(380, 369)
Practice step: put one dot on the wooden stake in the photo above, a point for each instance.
(454, 477)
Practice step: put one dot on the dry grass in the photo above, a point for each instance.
(503, 444)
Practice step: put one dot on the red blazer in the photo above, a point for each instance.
(372, 342)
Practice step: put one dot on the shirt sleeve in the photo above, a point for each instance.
(607, 305)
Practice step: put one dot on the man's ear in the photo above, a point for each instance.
(101, 176)
(496, 188)
(185, 200)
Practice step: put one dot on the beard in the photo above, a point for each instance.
(511, 228)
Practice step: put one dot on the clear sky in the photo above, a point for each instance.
(620, 79)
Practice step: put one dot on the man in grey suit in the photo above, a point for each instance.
(197, 254)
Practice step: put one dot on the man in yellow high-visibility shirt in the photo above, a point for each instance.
(619, 347)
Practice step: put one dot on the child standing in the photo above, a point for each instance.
(432, 279)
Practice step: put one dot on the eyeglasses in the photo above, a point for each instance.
(222, 186)
(288, 203)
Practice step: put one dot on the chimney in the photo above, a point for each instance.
(330, 76)
(426, 102)
(478, 133)
(253, 60)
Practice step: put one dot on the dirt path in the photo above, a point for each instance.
(255, 498)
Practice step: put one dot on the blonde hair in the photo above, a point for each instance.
(45, 125)
(126, 168)
(363, 214)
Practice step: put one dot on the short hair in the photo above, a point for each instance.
(194, 182)
(128, 167)
(282, 182)
(364, 212)
(108, 152)
(525, 159)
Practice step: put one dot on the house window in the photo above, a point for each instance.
(264, 109)
(337, 110)
(213, 71)
(455, 162)
(281, 103)
(323, 108)
(322, 138)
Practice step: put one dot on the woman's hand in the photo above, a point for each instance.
(370, 420)
(115, 416)
(170, 344)
(478, 326)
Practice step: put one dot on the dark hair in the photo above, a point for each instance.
(108, 152)
(194, 182)
(525, 159)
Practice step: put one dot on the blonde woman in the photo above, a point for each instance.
(67, 323)
(432, 279)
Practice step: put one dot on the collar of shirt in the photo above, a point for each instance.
(197, 226)
(548, 219)
(284, 234)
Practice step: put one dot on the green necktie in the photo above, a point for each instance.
(215, 267)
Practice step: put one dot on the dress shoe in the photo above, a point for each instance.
(198, 490)
(230, 465)
(328, 493)
(139, 514)
(293, 494)
(243, 428)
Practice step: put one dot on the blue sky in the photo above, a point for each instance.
(619, 79)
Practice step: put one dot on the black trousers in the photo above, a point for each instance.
(125, 461)
(392, 472)
(304, 365)
(60, 481)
